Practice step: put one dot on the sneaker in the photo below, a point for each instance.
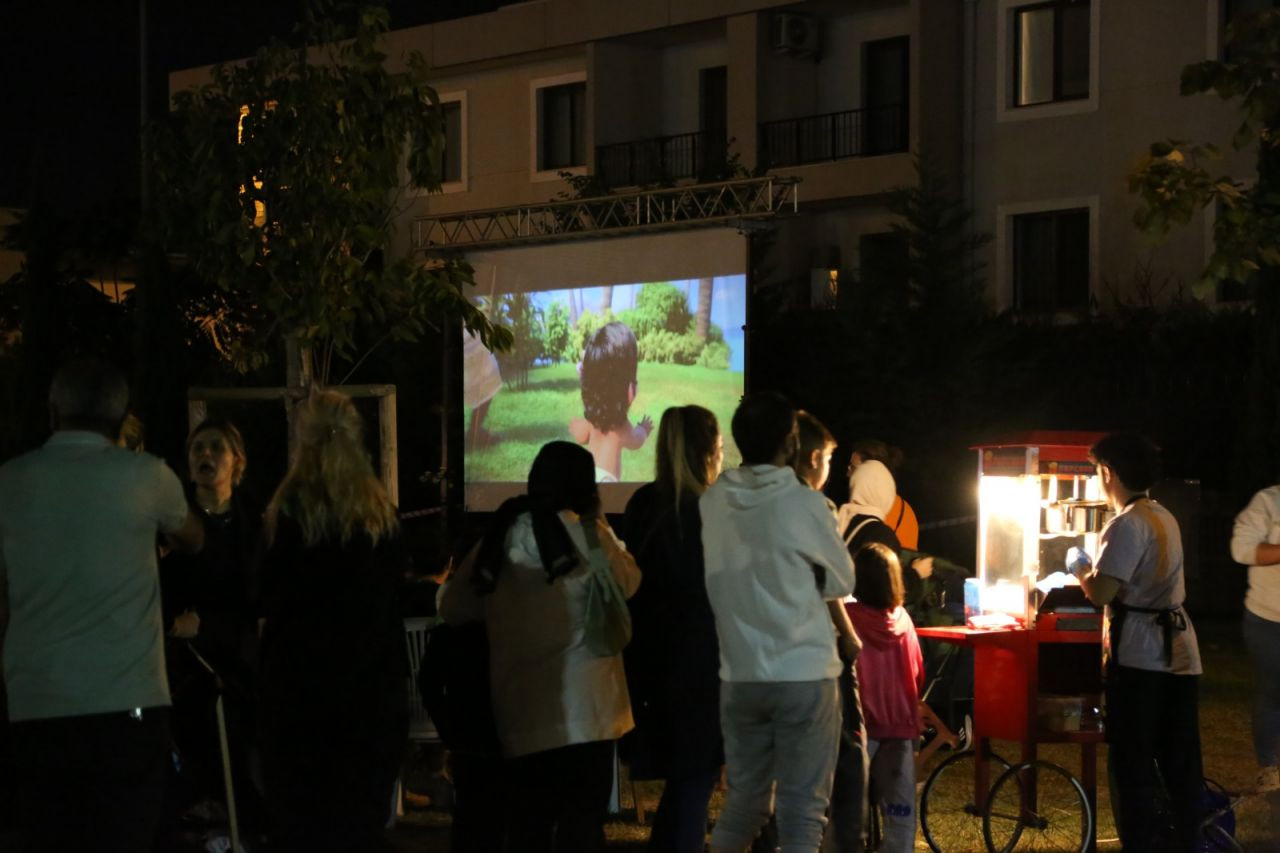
(1268, 780)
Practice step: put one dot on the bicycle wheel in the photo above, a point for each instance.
(950, 820)
(1037, 806)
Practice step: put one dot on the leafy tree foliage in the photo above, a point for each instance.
(280, 181)
(1174, 180)
(660, 307)
(556, 331)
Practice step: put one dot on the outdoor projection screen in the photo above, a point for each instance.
(608, 334)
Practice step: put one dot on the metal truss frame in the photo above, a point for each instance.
(726, 202)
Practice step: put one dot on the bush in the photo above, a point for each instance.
(715, 355)
(665, 347)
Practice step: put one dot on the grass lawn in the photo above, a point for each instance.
(522, 420)
(1225, 733)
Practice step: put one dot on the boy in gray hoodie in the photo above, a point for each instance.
(773, 558)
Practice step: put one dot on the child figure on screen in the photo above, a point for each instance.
(608, 389)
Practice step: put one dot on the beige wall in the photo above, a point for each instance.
(1026, 161)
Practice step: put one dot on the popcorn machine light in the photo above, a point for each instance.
(1038, 497)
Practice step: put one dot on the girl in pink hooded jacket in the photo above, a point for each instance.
(891, 674)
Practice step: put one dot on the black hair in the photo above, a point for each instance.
(874, 448)
(90, 394)
(761, 426)
(1133, 457)
(877, 576)
(563, 476)
(608, 372)
(812, 434)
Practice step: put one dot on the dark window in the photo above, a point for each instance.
(562, 129)
(885, 92)
(1051, 52)
(1233, 9)
(713, 120)
(451, 158)
(1051, 260)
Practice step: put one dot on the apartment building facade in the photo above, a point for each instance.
(1036, 109)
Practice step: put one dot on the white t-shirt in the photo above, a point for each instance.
(1259, 523)
(78, 524)
(1142, 548)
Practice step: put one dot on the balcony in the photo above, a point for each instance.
(833, 136)
(661, 160)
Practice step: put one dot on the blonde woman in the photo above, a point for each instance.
(673, 660)
(334, 702)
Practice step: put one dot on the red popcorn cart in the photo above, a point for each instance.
(1037, 655)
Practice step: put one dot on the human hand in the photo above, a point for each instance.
(646, 424)
(186, 625)
(923, 566)
(847, 648)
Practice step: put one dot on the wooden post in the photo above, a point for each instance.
(388, 450)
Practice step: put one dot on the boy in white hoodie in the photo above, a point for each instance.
(773, 557)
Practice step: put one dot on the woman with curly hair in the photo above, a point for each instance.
(334, 697)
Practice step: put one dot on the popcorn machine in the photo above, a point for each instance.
(1038, 499)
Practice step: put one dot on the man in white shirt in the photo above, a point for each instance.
(773, 557)
(1153, 667)
(81, 624)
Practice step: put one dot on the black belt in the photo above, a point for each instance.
(1169, 619)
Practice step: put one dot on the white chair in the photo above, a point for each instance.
(421, 729)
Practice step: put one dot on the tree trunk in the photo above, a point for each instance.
(703, 326)
(606, 299)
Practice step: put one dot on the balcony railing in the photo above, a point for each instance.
(833, 136)
(661, 160)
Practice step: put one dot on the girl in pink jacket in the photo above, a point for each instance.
(891, 674)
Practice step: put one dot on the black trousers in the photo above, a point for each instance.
(847, 815)
(91, 783)
(561, 799)
(1153, 728)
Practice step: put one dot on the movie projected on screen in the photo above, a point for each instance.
(598, 362)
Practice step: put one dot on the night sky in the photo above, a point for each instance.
(70, 93)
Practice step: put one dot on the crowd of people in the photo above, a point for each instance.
(163, 644)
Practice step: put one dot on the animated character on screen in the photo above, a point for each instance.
(481, 383)
(608, 388)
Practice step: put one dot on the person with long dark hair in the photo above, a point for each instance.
(559, 706)
(674, 657)
(334, 700)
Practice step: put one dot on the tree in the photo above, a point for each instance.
(705, 286)
(941, 268)
(555, 341)
(280, 181)
(1173, 182)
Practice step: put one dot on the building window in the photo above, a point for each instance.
(1051, 260)
(451, 158)
(1051, 52)
(562, 126)
(1231, 10)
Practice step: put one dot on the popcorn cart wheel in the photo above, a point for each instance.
(1037, 805)
(949, 815)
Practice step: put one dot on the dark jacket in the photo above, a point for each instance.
(673, 659)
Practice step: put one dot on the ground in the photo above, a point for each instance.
(1225, 732)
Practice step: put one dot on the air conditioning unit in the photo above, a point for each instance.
(794, 34)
